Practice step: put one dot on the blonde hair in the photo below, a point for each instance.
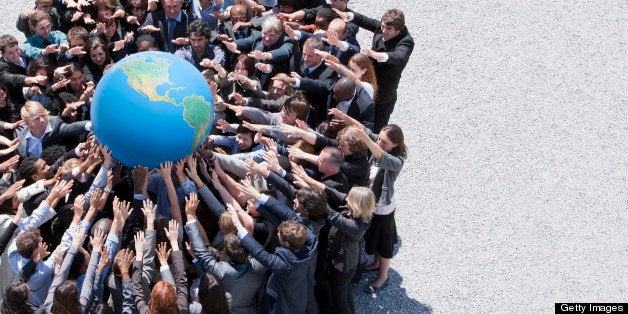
(226, 221)
(361, 202)
(68, 165)
(32, 109)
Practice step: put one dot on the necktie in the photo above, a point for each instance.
(241, 34)
(306, 72)
(171, 25)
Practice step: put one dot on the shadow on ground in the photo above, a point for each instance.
(390, 299)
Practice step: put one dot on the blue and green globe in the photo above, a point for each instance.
(152, 107)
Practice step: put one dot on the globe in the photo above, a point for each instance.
(151, 107)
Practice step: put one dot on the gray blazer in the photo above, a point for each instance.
(242, 281)
(60, 132)
(390, 166)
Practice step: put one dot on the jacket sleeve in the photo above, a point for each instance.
(138, 294)
(272, 262)
(215, 206)
(6, 236)
(282, 185)
(348, 226)
(88, 282)
(181, 281)
(148, 262)
(365, 22)
(390, 162)
(60, 277)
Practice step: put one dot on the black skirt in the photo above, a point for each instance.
(381, 236)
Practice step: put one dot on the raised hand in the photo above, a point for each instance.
(172, 233)
(124, 259)
(191, 204)
(140, 245)
(9, 163)
(149, 209)
(104, 259)
(248, 191)
(98, 239)
(256, 168)
(163, 253)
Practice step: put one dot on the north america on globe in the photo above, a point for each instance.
(152, 107)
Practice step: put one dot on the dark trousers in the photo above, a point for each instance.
(341, 292)
(382, 114)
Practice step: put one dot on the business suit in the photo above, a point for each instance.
(242, 281)
(60, 134)
(361, 108)
(226, 28)
(160, 19)
(291, 281)
(282, 50)
(398, 49)
(12, 78)
(343, 56)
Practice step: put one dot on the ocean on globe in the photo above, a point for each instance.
(152, 107)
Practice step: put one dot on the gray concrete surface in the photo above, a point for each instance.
(514, 194)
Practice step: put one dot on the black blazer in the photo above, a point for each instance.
(159, 19)
(12, 78)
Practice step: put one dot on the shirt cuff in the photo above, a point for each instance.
(164, 268)
(297, 83)
(190, 222)
(344, 46)
(242, 233)
(350, 17)
(298, 34)
(138, 196)
(262, 200)
(385, 58)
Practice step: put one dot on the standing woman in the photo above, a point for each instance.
(98, 58)
(343, 249)
(387, 157)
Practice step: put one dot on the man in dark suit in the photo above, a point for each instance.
(238, 26)
(42, 130)
(391, 49)
(272, 48)
(344, 95)
(13, 72)
(312, 65)
(168, 26)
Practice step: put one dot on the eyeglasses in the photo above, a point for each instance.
(44, 28)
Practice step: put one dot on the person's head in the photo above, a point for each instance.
(225, 224)
(145, 42)
(163, 299)
(172, 8)
(103, 224)
(288, 6)
(40, 66)
(339, 27)
(295, 107)
(392, 23)
(239, 13)
(272, 29)
(279, 87)
(9, 48)
(292, 235)
(350, 145)
(244, 65)
(40, 23)
(306, 148)
(361, 202)
(310, 58)
(391, 140)
(97, 51)
(33, 169)
(69, 165)
(137, 8)
(244, 138)
(15, 299)
(199, 34)
(79, 264)
(78, 36)
(323, 17)
(234, 249)
(344, 89)
(75, 75)
(340, 5)
(27, 242)
(211, 294)
(44, 5)
(8, 207)
(310, 202)
(361, 65)
(35, 116)
(330, 160)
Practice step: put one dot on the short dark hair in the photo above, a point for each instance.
(145, 38)
(66, 298)
(26, 169)
(200, 27)
(7, 41)
(395, 19)
(52, 153)
(78, 32)
(299, 104)
(336, 157)
(37, 17)
(244, 130)
(327, 13)
(211, 294)
(293, 233)
(314, 201)
(314, 43)
(234, 249)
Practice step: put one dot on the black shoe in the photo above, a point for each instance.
(373, 290)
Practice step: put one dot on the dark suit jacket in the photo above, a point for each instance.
(283, 51)
(322, 72)
(343, 56)
(61, 132)
(343, 248)
(159, 19)
(12, 78)
(291, 280)
(398, 49)
(362, 107)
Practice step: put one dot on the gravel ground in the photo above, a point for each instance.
(514, 194)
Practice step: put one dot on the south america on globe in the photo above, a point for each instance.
(152, 107)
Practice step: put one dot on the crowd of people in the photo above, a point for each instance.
(268, 215)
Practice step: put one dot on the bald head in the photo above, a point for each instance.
(338, 26)
(238, 13)
(344, 89)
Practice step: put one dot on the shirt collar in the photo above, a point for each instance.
(178, 17)
(30, 135)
